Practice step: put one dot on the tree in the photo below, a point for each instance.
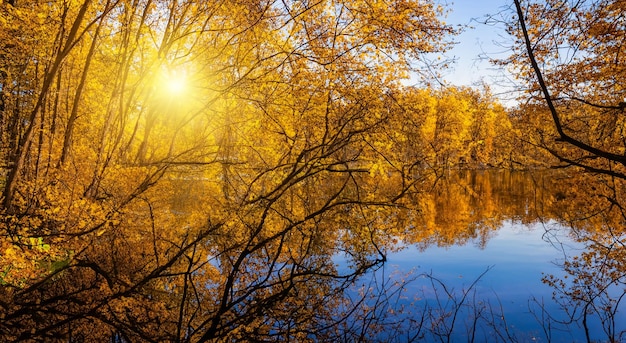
(571, 56)
(452, 127)
(135, 212)
(570, 53)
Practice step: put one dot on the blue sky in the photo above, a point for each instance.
(477, 43)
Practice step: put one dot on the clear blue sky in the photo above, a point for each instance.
(478, 43)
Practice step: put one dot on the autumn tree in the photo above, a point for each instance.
(459, 127)
(571, 56)
(188, 171)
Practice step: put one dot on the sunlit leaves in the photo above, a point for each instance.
(158, 210)
(575, 50)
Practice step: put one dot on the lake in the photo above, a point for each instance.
(500, 263)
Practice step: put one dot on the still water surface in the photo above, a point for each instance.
(492, 238)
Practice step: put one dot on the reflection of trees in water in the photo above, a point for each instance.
(470, 206)
(591, 293)
(269, 278)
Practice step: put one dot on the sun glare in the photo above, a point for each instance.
(173, 82)
(176, 84)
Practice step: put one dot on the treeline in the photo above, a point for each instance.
(458, 127)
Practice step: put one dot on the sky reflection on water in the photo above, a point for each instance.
(491, 240)
(517, 257)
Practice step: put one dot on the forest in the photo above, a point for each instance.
(188, 171)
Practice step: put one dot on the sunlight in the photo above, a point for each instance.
(175, 84)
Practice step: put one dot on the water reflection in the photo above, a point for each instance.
(481, 256)
(517, 256)
(471, 205)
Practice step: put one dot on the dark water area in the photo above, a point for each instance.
(506, 256)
